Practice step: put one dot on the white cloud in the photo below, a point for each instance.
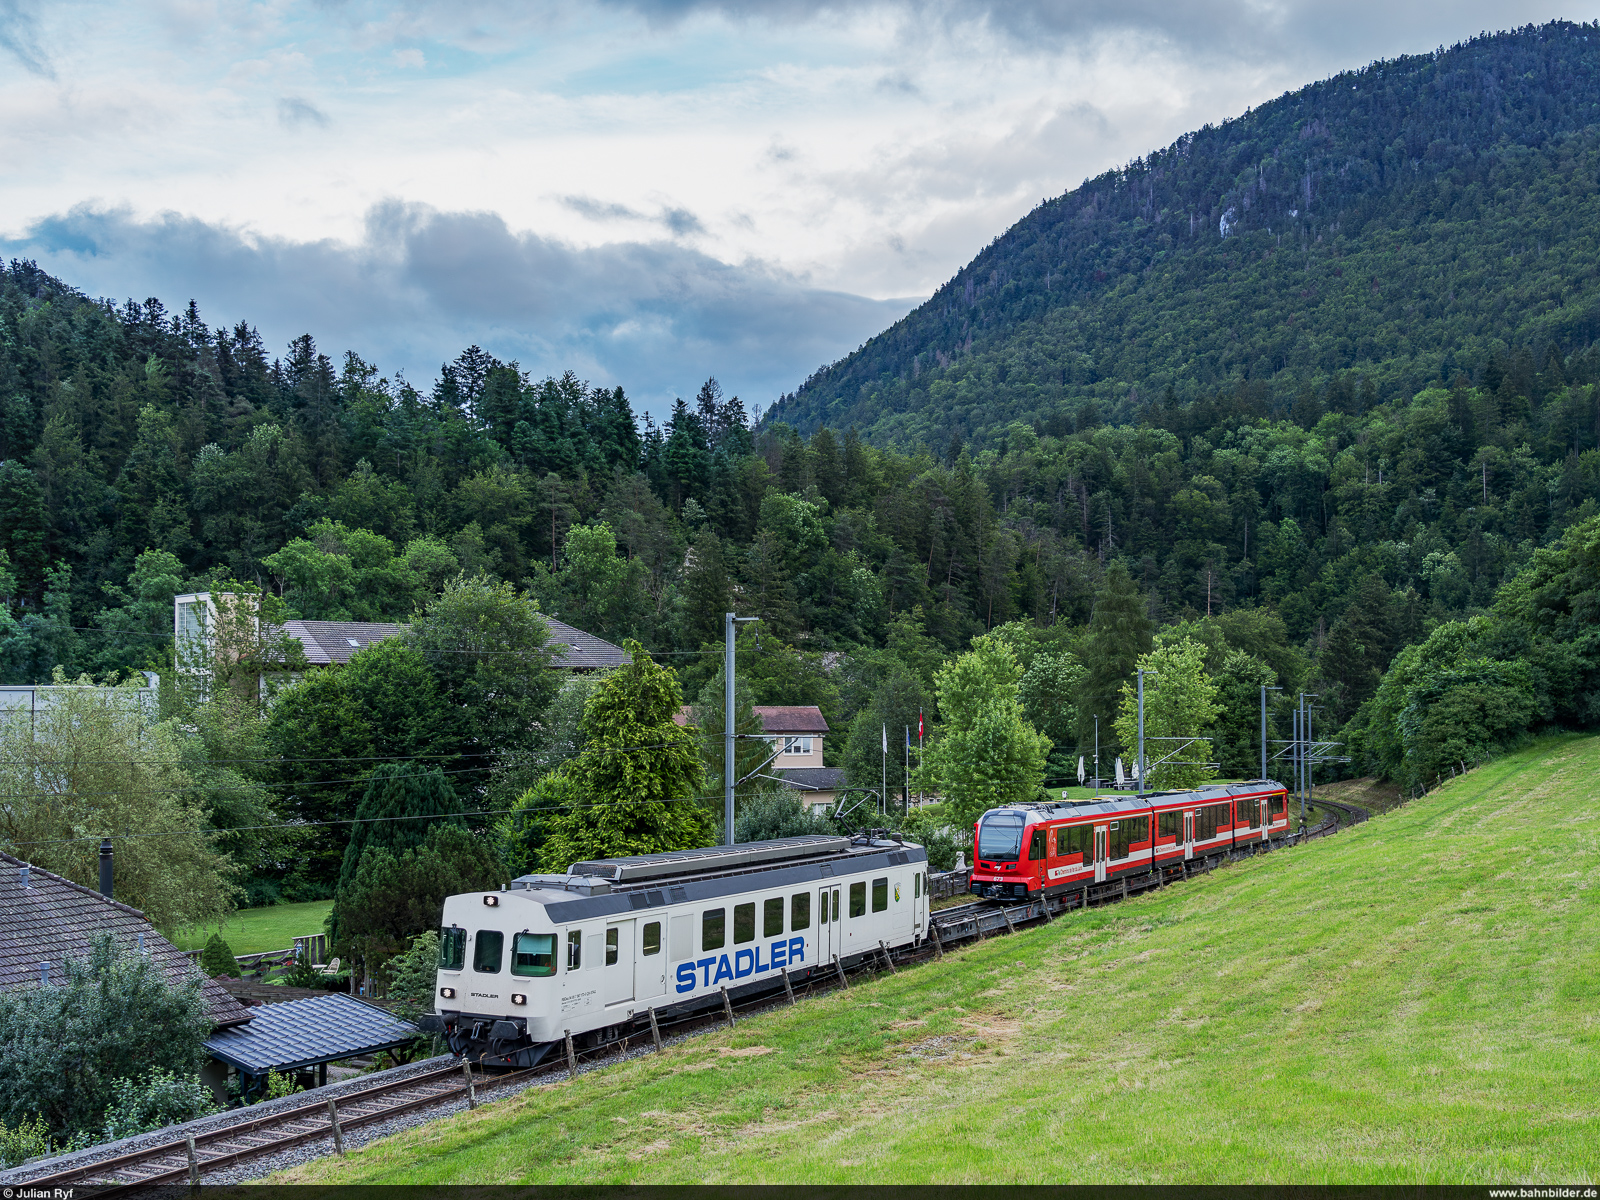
(420, 285)
(849, 152)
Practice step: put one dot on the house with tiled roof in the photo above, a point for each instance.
(331, 643)
(795, 732)
(46, 919)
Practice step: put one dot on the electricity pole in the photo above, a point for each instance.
(730, 625)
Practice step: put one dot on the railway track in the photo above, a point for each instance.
(188, 1159)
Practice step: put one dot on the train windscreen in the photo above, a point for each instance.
(1000, 837)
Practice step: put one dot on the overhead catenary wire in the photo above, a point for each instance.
(430, 650)
(484, 812)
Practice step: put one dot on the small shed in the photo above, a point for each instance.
(305, 1036)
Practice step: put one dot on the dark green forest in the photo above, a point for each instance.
(1324, 438)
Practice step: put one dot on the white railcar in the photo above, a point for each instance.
(587, 952)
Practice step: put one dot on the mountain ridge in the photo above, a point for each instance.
(1402, 222)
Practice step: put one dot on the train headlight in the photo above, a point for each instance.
(492, 901)
(449, 993)
(518, 998)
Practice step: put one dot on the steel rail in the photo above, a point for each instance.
(307, 1122)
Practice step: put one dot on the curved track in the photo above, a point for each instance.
(253, 1134)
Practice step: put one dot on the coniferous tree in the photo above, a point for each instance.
(640, 776)
(1119, 632)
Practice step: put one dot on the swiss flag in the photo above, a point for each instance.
(919, 725)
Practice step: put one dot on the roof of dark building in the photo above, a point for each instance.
(813, 779)
(53, 918)
(790, 718)
(329, 642)
(585, 652)
(302, 1033)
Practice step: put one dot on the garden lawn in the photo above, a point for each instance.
(1412, 1001)
(253, 930)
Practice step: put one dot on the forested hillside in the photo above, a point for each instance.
(1302, 524)
(1344, 244)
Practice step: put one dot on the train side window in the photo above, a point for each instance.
(612, 949)
(713, 928)
(880, 894)
(916, 886)
(452, 948)
(574, 949)
(858, 899)
(486, 951)
(800, 911)
(772, 916)
(652, 939)
(836, 904)
(744, 923)
(1036, 845)
(1074, 840)
(533, 954)
(1168, 824)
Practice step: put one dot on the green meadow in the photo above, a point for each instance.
(254, 930)
(1412, 1001)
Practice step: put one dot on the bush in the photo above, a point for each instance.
(302, 974)
(279, 1086)
(413, 974)
(29, 1138)
(66, 1046)
(394, 897)
(154, 1101)
(931, 830)
(217, 958)
(776, 813)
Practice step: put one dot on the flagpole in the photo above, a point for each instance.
(883, 790)
(905, 783)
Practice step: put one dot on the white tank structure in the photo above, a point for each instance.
(590, 952)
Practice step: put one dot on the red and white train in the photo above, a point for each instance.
(1028, 850)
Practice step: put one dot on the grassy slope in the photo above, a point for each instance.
(252, 930)
(1411, 1001)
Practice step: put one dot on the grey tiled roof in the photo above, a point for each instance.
(813, 779)
(328, 642)
(53, 918)
(300, 1033)
(790, 718)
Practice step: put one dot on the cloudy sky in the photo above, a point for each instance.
(643, 191)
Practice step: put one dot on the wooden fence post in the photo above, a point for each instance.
(333, 1121)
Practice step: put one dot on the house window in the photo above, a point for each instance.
(797, 745)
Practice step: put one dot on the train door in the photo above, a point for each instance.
(824, 927)
(616, 984)
(902, 906)
(1188, 834)
(1101, 832)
